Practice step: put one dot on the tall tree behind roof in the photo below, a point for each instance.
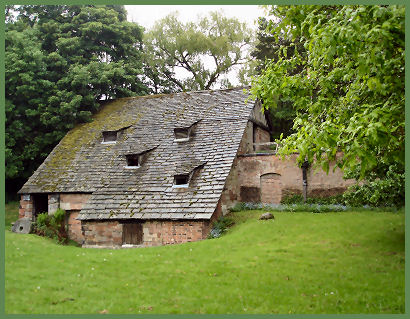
(60, 61)
(171, 45)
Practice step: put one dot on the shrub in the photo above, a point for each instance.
(299, 207)
(387, 192)
(52, 226)
(328, 200)
(220, 226)
(292, 199)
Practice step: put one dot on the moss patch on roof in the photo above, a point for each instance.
(112, 116)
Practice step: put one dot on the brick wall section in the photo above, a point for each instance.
(251, 169)
(73, 201)
(74, 227)
(261, 135)
(26, 207)
(102, 233)
(246, 145)
(53, 203)
(230, 192)
(155, 232)
(173, 232)
(258, 177)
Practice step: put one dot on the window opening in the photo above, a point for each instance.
(181, 180)
(133, 161)
(181, 134)
(109, 137)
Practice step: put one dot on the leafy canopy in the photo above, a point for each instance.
(173, 46)
(60, 62)
(349, 93)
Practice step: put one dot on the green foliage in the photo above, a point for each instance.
(60, 62)
(292, 199)
(52, 226)
(379, 192)
(291, 265)
(268, 48)
(172, 45)
(220, 226)
(349, 93)
(329, 200)
(290, 207)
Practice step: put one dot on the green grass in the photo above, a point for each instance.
(11, 213)
(346, 262)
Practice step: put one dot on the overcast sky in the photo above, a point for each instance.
(147, 15)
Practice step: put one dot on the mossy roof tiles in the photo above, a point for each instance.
(81, 163)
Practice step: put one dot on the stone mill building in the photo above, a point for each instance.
(159, 169)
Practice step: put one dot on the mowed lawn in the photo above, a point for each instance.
(350, 262)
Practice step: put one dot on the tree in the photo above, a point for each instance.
(172, 46)
(349, 94)
(60, 62)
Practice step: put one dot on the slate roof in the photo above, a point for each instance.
(81, 163)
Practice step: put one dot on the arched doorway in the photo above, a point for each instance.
(271, 188)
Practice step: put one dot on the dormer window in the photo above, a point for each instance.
(109, 137)
(182, 134)
(133, 161)
(181, 180)
(137, 159)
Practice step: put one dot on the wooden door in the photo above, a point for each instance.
(132, 233)
(271, 189)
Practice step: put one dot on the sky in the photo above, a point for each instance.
(146, 16)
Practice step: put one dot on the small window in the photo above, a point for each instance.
(133, 161)
(181, 134)
(109, 137)
(181, 180)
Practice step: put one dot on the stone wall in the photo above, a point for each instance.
(72, 204)
(173, 231)
(109, 234)
(102, 233)
(26, 206)
(267, 178)
(260, 135)
(74, 227)
(73, 201)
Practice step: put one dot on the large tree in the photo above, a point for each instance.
(60, 62)
(203, 52)
(349, 94)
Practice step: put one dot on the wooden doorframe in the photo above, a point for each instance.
(132, 233)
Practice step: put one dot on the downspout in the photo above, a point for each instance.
(305, 167)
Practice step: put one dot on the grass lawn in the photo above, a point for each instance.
(350, 262)
(11, 213)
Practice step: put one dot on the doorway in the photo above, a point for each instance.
(271, 188)
(132, 233)
(40, 204)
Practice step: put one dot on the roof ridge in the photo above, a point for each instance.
(152, 96)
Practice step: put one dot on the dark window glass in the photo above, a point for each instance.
(110, 136)
(181, 133)
(181, 179)
(133, 160)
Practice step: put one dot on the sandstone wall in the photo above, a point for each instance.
(109, 234)
(102, 233)
(26, 207)
(268, 178)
